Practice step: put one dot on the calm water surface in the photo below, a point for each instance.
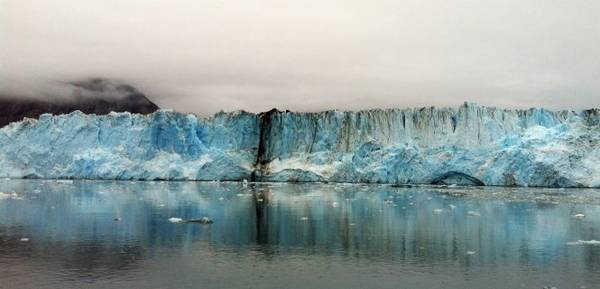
(64, 235)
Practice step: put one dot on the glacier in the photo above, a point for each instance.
(468, 145)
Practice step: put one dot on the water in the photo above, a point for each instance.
(294, 236)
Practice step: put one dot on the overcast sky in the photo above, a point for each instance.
(206, 55)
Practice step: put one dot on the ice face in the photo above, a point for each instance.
(468, 145)
(163, 145)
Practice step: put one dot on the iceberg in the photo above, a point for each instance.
(468, 145)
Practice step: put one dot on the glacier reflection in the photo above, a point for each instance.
(72, 229)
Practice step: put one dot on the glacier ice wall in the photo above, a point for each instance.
(162, 145)
(470, 144)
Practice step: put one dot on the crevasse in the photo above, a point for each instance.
(468, 145)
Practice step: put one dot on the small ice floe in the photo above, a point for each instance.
(473, 213)
(429, 198)
(175, 220)
(64, 181)
(583, 242)
(438, 211)
(13, 196)
(335, 204)
(24, 240)
(579, 216)
(304, 218)
(161, 205)
(471, 252)
(452, 186)
(221, 198)
(259, 200)
(203, 220)
(452, 207)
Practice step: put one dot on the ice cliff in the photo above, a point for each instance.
(468, 145)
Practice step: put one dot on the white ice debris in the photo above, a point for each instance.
(175, 220)
(471, 252)
(24, 240)
(304, 218)
(579, 216)
(473, 213)
(583, 242)
(13, 196)
(438, 211)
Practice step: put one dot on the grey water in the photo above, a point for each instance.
(102, 234)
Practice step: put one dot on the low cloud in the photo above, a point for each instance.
(204, 56)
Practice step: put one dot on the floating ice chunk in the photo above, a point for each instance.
(24, 240)
(579, 216)
(221, 198)
(471, 252)
(452, 207)
(473, 213)
(175, 220)
(161, 205)
(583, 242)
(13, 196)
(64, 181)
(203, 220)
(304, 218)
(438, 211)
(335, 204)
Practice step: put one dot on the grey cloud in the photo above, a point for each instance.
(203, 56)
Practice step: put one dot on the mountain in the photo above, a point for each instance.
(468, 145)
(92, 96)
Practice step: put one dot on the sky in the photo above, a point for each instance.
(204, 56)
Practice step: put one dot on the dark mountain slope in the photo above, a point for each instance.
(98, 96)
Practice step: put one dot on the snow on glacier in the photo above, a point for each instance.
(534, 147)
